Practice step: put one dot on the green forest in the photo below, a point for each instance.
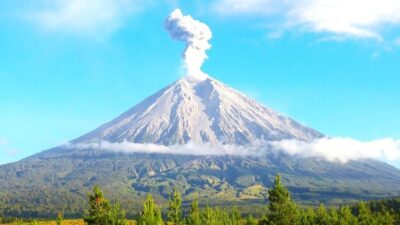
(280, 210)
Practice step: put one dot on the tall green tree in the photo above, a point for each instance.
(321, 216)
(101, 212)
(194, 215)
(207, 216)
(385, 218)
(251, 220)
(307, 216)
(116, 216)
(59, 218)
(175, 208)
(99, 208)
(365, 216)
(235, 217)
(282, 209)
(346, 217)
(151, 213)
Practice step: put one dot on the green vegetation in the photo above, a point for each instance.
(58, 180)
(151, 213)
(281, 210)
(101, 212)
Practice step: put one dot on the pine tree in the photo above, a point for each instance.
(365, 216)
(307, 217)
(59, 218)
(385, 218)
(99, 208)
(282, 210)
(346, 217)
(250, 220)
(321, 216)
(116, 216)
(175, 208)
(334, 217)
(235, 217)
(101, 212)
(151, 213)
(194, 216)
(207, 216)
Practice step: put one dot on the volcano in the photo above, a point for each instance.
(198, 111)
(189, 111)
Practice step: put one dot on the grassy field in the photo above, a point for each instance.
(64, 222)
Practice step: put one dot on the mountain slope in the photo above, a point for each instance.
(187, 111)
(199, 111)
(59, 179)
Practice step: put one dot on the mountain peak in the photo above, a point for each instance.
(194, 110)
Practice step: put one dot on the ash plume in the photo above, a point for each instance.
(196, 35)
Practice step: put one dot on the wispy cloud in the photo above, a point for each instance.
(342, 149)
(397, 42)
(3, 141)
(93, 17)
(332, 149)
(6, 148)
(348, 18)
(187, 149)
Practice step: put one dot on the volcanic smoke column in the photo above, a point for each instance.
(196, 36)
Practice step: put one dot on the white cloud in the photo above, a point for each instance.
(350, 18)
(188, 149)
(342, 149)
(332, 149)
(3, 141)
(4, 147)
(397, 42)
(84, 16)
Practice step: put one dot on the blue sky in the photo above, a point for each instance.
(66, 67)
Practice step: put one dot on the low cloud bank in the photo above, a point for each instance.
(332, 149)
(342, 149)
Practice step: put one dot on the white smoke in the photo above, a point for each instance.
(196, 36)
(332, 149)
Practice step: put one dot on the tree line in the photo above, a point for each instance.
(282, 210)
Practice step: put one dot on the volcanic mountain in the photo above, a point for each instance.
(189, 111)
(199, 111)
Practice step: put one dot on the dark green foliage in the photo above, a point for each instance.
(321, 216)
(151, 213)
(282, 210)
(101, 212)
(346, 217)
(58, 180)
(365, 216)
(307, 216)
(99, 208)
(175, 208)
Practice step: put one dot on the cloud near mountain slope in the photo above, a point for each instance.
(332, 149)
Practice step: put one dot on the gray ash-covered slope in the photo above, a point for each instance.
(188, 111)
(199, 111)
